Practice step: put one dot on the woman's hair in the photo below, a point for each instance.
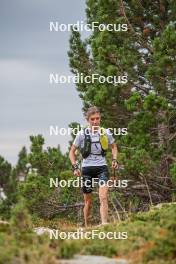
(91, 111)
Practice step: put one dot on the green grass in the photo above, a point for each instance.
(151, 239)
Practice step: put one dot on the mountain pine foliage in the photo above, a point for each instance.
(146, 104)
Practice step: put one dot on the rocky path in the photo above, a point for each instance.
(79, 259)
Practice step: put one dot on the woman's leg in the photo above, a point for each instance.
(87, 207)
(103, 196)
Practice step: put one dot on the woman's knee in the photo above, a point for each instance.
(103, 199)
(103, 196)
(87, 200)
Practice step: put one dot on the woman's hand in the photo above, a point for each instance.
(76, 170)
(115, 164)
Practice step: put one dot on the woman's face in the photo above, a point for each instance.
(94, 120)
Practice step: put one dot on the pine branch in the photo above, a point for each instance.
(132, 29)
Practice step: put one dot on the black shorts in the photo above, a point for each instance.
(94, 176)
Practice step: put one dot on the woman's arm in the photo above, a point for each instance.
(76, 170)
(72, 155)
(114, 155)
(114, 150)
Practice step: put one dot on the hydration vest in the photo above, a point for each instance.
(103, 140)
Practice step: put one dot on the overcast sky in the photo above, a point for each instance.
(28, 54)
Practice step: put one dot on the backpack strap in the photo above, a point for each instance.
(86, 149)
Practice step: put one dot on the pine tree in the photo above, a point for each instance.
(22, 160)
(146, 104)
(5, 170)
